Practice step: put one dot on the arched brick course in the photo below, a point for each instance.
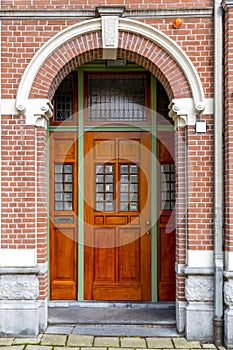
(88, 47)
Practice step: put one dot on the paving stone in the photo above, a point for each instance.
(93, 348)
(80, 340)
(61, 348)
(6, 341)
(16, 347)
(130, 342)
(54, 339)
(208, 346)
(106, 341)
(19, 341)
(121, 348)
(59, 329)
(182, 343)
(38, 347)
(158, 343)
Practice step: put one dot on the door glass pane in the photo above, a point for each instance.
(129, 188)
(104, 187)
(63, 195)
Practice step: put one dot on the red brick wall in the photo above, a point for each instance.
(228, 131)
(200, 187)
(86, 5)
(23, 147)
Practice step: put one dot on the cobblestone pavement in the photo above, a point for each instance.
(87, 342)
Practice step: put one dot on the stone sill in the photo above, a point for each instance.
(20, 270)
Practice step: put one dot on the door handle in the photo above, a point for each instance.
(148, 222)
(147, 233)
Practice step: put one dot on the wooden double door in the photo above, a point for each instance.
(117, 219)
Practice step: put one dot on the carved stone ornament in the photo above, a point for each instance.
(109, 36)
(228, 292)
(199, 288)
(19, 287)
(183, 112)
(38, 112)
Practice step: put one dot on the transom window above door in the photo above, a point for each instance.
(116, 98)
(110, 98)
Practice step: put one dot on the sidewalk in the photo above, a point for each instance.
(87, 342)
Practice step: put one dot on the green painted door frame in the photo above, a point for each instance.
(81, 129)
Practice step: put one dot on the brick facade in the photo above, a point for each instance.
(28, 27)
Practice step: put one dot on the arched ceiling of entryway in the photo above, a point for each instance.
(82, 42)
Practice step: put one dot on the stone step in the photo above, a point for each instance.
(113, 330)
(112, 316)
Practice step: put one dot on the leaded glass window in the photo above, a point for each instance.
(64, 101)
(104, 195)
(117, 98)
(128, 187)
(63, 193)
(167, 186)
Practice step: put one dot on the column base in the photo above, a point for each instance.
(23, 318)
(199, 322)
(180, 316)
(228, 327)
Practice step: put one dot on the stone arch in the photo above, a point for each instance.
(137, 41)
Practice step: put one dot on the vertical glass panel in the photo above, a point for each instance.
(109, 169)
(99, 197)
(123, 206)
(63, 110)
(109, 206)
(124, 197)
(68, 187)
(68, 168)
(58, 178)
(124, 178)
(104, 187)
(68, 178)
(167, 186)
(133, 206)
(133, 178)
(63, 195)
(58, 196)
(58, 205)
(124, 188)
(99, 188)
(99, 169)
(68, 206)
(124, 169)
(133, 169)
(68, 196)
(58, 187)
(100, 206)
(109, 188)
(100, 178)
(109, 178)
(58, 168)
(129, 187)
(109, 196)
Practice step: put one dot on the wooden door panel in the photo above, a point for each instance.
(105, 258)
(117, 262)
(166, 227)
(105, 149)
(63, 215)
(63, 273)
(129, 149)
(129, 255)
